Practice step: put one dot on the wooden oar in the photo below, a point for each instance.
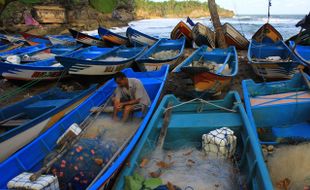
(68, 143)
(163, 130)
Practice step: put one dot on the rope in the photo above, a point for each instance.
(27, 86)
(14, 92)
(202, 101)
(235, 9)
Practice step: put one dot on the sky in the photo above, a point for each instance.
(260, 6)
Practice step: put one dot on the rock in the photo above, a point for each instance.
(270, 148)
(122, 15)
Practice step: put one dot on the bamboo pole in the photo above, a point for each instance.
(220, 37)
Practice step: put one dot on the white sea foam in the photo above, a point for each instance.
(246, 24)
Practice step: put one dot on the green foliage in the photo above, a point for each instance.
(2, 2)
(173, 7)
(30, 1)
(104, 6)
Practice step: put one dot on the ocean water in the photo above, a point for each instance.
(246, 24)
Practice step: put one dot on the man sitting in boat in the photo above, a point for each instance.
(130, 95)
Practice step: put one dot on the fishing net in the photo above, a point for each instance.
(113, 58)
(162, 55)
(188, 167)
(84, 160)
(81, 164)
(289, 166)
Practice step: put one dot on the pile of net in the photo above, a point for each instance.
(81, 164)
(288, 165)
(166, 54)
(38, 57)
(273, 58)
(190, 168)
(212, 66)
(114, 58)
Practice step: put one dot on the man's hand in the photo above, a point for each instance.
(119, 105)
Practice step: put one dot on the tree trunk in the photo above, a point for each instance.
(220, 37)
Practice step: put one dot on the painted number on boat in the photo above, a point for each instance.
(45, 74)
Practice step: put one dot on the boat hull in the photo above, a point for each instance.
(275, 70)
(13, 144)
(10, 47)
(284, 68)
(63, 42)
(203, 35)
(99, 61)
(206, 79)
(181, 29)
(304, 38)
(107, 35)
(136, 37)
(28, 73)
(234, 38)
(87, 39)
(302, 51)
(89, 69)
(210, 82)
(35, 40)
(267, 33)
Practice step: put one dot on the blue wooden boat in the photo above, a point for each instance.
(182, 30)
(272, 60)
(40, 52)
(211, 70)
(10, 46)
(203, 35)
(234, 38)
(137, 37)
(187, 123)
(38, 149)
(48, 69)
(302, 51)
(164, 51)
(24, 50)
(87, 39)
(280, 110)
(111, 37)
(14, 38)
(303, 38)
(24, 121)
(99, 61)
(267, 34)
(61, 40)
(35, 39)
(3, 40)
